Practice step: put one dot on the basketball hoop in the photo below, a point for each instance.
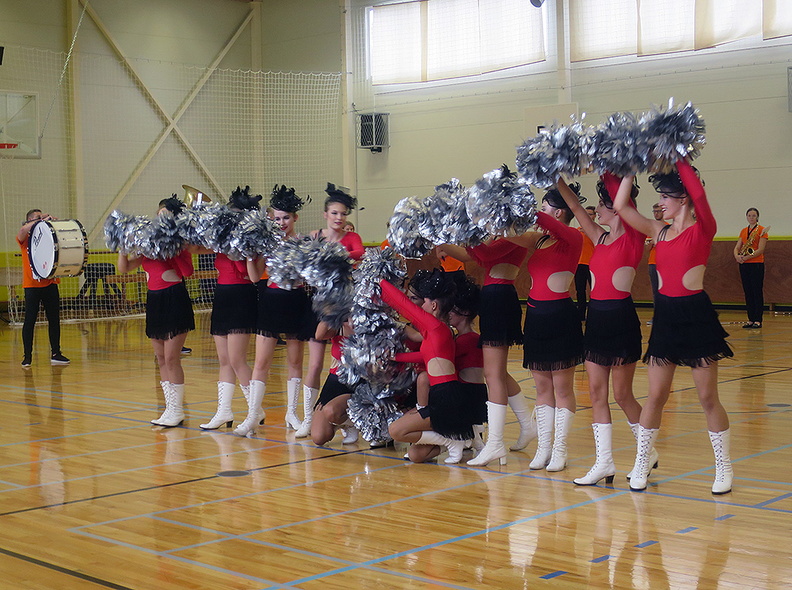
(8, 146)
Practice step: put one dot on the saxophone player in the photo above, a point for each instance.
(749, 254)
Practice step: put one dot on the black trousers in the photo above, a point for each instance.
(34, 297)
(752, 275)
(582, 279)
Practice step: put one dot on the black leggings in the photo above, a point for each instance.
(582, 279)
(34, 297)
(752, 275)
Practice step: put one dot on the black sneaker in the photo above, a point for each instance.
(59, 359)
(186, 350)
(26, 362)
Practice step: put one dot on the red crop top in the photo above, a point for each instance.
(438, 340)
(231, 272)
(562, 256)
(497, 252)
(337, 342)
(161, 274)
(692, 247)
(468, 353)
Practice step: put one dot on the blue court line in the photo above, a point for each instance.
(600, 559)
(466, 536)
(725, 517)
(687, 530)
(773, 500)
(553, 575)
(646, 544)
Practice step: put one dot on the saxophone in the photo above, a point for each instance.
(746, 250)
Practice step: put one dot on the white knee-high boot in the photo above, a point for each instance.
(455, 447)
(292, 391)
(563, 421)
(165, 385)
(640, 471)
(527, 420)
(255, 414)
(603, 466)
(654, 457)
(309, 398)
(494, 450)
(174, 406)
(545, 417)
(224, 414)
(723, 467)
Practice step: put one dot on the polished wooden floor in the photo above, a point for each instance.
(93, 496)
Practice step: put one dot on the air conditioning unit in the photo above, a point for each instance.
(372, 131)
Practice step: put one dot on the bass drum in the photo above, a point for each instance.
(58, 248)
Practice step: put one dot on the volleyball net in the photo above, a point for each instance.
(114, 134)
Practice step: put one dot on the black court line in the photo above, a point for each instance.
(64, 570)
(166, 485)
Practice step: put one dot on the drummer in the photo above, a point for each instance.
(37, 292)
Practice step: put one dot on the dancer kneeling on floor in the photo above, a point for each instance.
(330, 411)
(448, 418)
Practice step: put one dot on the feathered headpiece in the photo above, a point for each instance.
(243, 200)
(284, 199)
(338, 194)
(173, 204)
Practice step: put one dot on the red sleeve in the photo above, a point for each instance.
(184, 263)
(354, 245)
(409, 357)
(558, 230)
(397, 300)
(695, 189)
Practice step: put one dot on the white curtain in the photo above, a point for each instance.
(609, 28)
(777, 18)
(436, 39)
(396, 40)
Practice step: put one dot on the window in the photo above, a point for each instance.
(608, 28)
(436, 39)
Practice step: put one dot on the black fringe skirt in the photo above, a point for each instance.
(613, 332)
(331, 389)
(478, 394)
(686, 332)
(169, 312)
(500, 316)
(451, 410)
(553, 338)
(281, 313)
(234, 310)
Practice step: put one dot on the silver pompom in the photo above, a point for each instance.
(404, 233)
(372, 409)
(620, 145)
(156, 239)
(501, 204)
(675, 133)
(557, 152)
(368, 354)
